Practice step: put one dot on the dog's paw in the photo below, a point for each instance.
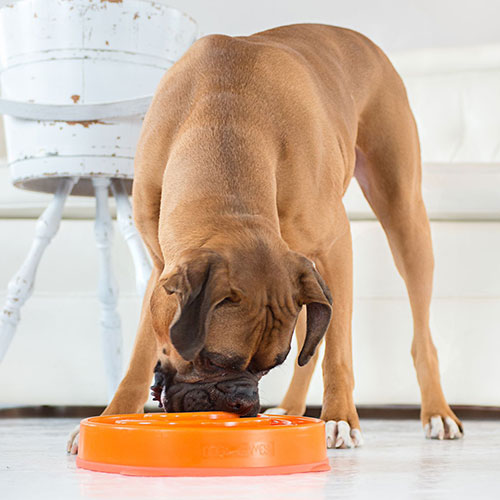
(439, 427)
(72, 443)
(275, 411)
(340, 435)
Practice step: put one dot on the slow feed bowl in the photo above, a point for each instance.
(202, 444)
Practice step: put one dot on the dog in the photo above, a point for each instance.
(245, 154)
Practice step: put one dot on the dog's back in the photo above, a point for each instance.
(298, 95)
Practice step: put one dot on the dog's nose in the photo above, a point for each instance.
(240, 406)
(242, 400)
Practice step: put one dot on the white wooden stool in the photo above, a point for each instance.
(72, 120)
(21, 285)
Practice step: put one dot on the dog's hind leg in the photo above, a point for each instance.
(388, 170)
(294, 402)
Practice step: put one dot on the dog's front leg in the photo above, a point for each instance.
(133, 391)
(339, 412)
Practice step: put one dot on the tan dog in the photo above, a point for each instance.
(245, 155)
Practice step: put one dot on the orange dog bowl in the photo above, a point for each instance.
(202, 444)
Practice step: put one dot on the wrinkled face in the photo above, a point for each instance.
(206, 390)
(233, 322)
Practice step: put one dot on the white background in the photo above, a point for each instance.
(393, 24)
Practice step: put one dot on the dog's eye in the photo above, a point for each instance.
(225, 302)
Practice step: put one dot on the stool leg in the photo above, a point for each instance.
(108, 291)
(21, 285)
(127, 228)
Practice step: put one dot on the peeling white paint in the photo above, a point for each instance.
(74, 68)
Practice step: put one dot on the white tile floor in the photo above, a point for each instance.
(395, 463)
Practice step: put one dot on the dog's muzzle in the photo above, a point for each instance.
(236, 395)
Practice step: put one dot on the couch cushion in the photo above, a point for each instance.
(454, 95)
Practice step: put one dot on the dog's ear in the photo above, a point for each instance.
(200, 282)
(314, 294)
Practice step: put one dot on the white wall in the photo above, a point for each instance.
(393, 24)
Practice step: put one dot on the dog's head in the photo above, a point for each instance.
(223, 320)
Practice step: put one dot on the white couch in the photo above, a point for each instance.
(55, 356)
